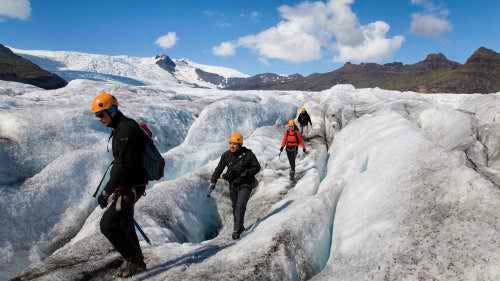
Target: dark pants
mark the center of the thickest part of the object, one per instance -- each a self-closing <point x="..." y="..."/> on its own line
<point x="291" y="153"/>
<point x="239" y="198"/>
<point x="118" y="227"/>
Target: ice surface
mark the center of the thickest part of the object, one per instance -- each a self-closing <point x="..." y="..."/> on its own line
<point x="395" y="186"/>
<point x="222" y="71"/>
<point x="408" y="207"/>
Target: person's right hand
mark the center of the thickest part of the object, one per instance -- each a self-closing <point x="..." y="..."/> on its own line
<point x="211" y="188"/>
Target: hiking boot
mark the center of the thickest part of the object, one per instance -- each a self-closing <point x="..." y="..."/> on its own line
<point x="236" y="235"/>
<point x="123" y="266"/>
<point x="133" y="268"/>
<point x="292" y="174"/>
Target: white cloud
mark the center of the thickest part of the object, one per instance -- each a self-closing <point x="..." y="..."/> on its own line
<point x="375" y="46"/>
<point x="432" y="22"/>
<point x="167" y="41"/>
<point x="224" y="49"/>
<point x="429" y="25"/>
<point x="18" y="9"/>
<point x="309" y="29"/>
<point x="283" y="42"/>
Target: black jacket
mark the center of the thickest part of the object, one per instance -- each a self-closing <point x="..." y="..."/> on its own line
<point x="304" y="118"/>
<point x="128" y="154"/>
<point x="242" y="167"/>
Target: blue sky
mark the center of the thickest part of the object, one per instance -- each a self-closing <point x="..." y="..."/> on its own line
<point x="259" y="36"/>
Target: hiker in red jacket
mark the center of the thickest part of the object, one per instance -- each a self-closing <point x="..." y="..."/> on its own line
<point x="292" y="140"/>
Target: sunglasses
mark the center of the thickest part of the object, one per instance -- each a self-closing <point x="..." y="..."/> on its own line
<point x="99" y="114"/>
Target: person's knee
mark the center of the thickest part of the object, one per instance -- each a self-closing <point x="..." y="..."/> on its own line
<point x="126" y="223"/>
<point x="234" y="204"/>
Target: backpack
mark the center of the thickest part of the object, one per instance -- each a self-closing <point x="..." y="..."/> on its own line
<point x="154" y="164"/>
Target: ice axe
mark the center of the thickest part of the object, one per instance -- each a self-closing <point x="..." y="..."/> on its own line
<point x="142" y="232"/>
<point x="267" y="163"/>
<point x="210" y="189"/>
<point x="102" y="179"/>
<point x="135" y="223"/>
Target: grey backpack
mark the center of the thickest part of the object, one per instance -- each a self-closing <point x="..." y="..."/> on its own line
<point x="154" y="164"/>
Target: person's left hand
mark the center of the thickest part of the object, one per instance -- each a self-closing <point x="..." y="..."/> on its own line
<point x="102" y="199"/>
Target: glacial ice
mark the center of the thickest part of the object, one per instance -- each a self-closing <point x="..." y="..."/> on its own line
<point x="395" y="186"/>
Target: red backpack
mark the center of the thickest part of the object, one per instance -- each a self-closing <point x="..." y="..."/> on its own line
<point x="292" y="138"/>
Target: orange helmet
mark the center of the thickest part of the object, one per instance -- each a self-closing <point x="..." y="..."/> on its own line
<point x="291" y="122"/>
<point x="103" y="101"/>
<point x="236" y="137"/>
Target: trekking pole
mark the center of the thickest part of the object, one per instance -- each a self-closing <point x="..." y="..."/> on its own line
<point x="142" y="232"/>
<point x="102" y="179"/>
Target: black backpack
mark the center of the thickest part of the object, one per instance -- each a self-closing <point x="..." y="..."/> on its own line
<point x="154" y="164"/>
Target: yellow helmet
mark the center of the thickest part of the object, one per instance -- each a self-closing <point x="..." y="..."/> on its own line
<point x="236" y="137"/>
<point x="291" y="122"/>
<point x="103" y="101"/>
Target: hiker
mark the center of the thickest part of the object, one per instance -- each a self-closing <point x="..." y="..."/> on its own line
<point x="126" y="184"/>
<point x="304" y="119"/>
<point x="242" y="166"/>
<point x="292" y="139"/>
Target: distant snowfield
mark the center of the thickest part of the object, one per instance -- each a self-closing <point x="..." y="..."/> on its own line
<point x="395" y="186"/>
<point x="135" y="71"/>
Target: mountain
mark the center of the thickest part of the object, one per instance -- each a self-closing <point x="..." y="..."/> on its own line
<point x="135" y="71"/>
<point x="201" y="75"/>
<point x="17" y="69"/>
<point x="479" y="74"/>
<point x="260" y="81"/>
<point x="435" y="74"/>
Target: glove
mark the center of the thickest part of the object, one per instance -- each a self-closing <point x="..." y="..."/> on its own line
<point x="102" y="199"/>
<point x="304" y="150"/>
<point x="281" y="149"/>
<point x="210" y="189"/>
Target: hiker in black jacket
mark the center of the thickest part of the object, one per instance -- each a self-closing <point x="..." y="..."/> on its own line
<point x="242" y="166"/>
<point x="126" y="183"/>
<point x="304" y="119"/>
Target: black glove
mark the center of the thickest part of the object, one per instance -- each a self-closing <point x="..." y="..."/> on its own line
<point x="102" y="199"/>
<point x="304" y="150"/>
<point x="210" y="189"/>
<point x="281" y="149"/>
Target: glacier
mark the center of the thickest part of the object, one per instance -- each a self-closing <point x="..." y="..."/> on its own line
<point x="394" y="185"/>
<point x="135" y="71"/>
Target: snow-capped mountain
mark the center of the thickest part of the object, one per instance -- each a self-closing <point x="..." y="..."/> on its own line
<point x="136" y="71"/>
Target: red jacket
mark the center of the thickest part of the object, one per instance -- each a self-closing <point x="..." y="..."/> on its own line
<point x="292" y="138"/>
